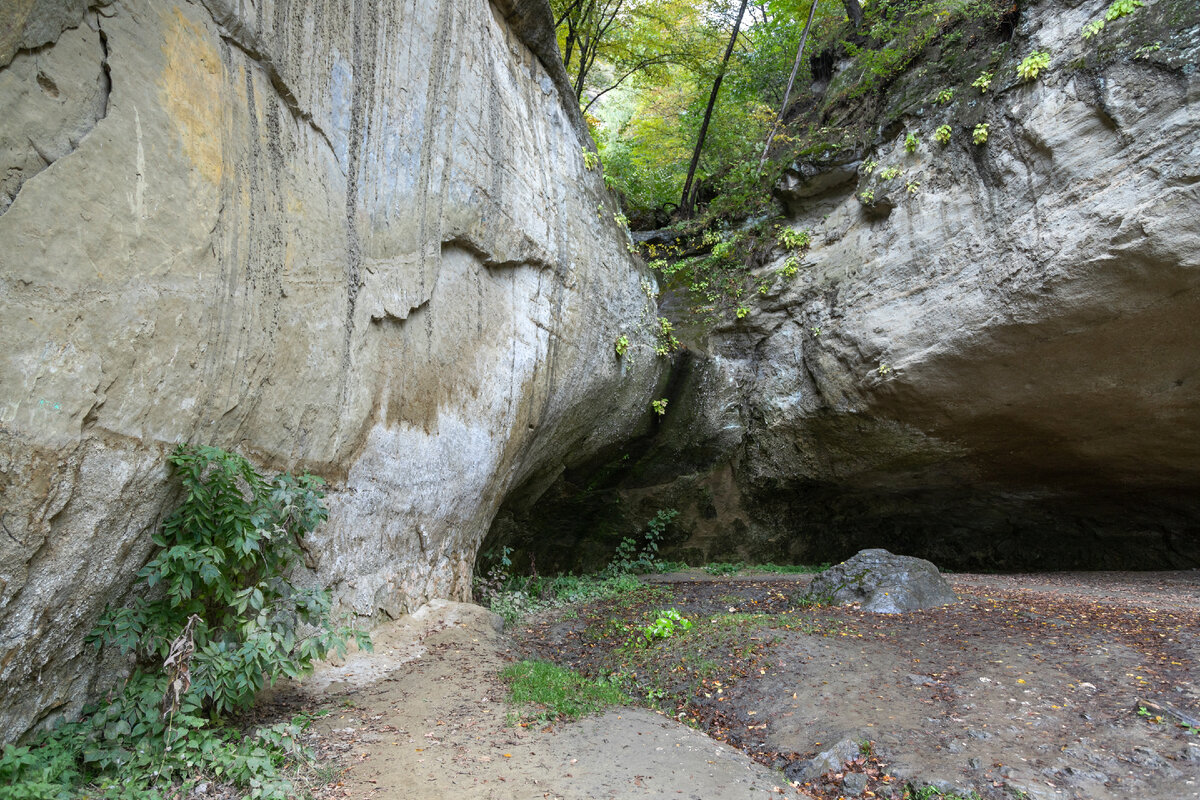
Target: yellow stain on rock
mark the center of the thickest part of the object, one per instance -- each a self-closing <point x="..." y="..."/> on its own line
<point x="191" y="89"/>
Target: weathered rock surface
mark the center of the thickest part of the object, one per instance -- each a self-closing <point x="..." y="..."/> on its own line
<point x="1001" y="372"/>
<point x="884" y="583"/>
<point x="354" y="238"/>
<point x="831" y="760"/>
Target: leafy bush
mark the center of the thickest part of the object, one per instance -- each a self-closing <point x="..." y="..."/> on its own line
<point x="225" y="619"/>
<point x="889" y="173"/>
<point x="945" y="96"/>
<point x="980" y="134"/>
<point x="621" y="345"/>
<point x="983" y="82"/>
<point x="1033" y="65"/>
<point x="942" y="134"/>
<point x="224" y="556"/>
<point x="911" y="142"/>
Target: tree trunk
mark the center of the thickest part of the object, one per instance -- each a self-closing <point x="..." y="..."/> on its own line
<point x="854" y="12"/>
<point x="791" y="80"/>
<point x="685" y="204"/>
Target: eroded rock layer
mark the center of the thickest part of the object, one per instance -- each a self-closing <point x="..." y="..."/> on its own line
<point x="357" y="238"/>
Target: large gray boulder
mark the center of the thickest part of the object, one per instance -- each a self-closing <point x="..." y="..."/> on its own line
<point x="884" y="583"/>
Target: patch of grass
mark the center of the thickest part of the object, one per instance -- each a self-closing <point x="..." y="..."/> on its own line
<point x="723" y="568"/>
<point x="790" y="569"/>
<point x="561" y="693"/>
<point x="531" y="594"/>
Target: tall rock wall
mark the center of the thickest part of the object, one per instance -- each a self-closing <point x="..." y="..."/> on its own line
<point x="992" y="358"/>
<point x="357" y="238"/>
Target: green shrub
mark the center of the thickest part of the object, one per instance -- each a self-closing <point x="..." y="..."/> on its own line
<point x="983" y="82"/>
<point x="225" y="556"/>
<point x="980" y="134"/>
<point x="945" y="96"/>
<point x="942" y="134"/>
<point x="911" y="142"/>
<point x="224" y="619"/>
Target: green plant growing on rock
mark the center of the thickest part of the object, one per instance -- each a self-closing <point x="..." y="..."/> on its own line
<point x="659" y="406"/>
<point x="591" y="159"/>
<point x="983" y="82"/>
<point x="912" y="186"/>
<point x="792" y="239"/>
<point x="791" y="266"/>
<point x="666" y="343"/>
<point x="1145" y="50"/>
<point x="889" y="174"/>
<point x="867" y="197"/>
<point x="1117" y="10"/>
<point x="911" y="142"/>
<point x="869" y="166"/>
<point x="742" y="312"/>
<point x="942" y="135"/>
<point x="945" y="96"/>
<point x="1033" y="65"/>
<point x="621" y="345"/>
<point x="980" y="134"/>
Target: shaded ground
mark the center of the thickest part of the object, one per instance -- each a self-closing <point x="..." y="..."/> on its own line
<point x="1029" y="687"/>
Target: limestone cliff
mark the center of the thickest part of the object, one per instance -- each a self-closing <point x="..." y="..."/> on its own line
<point x="990" y="359"/>
<point x="357" y="238"/>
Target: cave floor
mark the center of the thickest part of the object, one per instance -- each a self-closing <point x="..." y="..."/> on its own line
<point x="1030" y="686"/>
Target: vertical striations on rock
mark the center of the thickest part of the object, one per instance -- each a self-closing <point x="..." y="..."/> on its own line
<point x="354" y="238"/>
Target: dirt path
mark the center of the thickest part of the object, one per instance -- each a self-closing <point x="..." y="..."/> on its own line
<point x="424" y="717"/>
<point x="1028" y="687"/>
